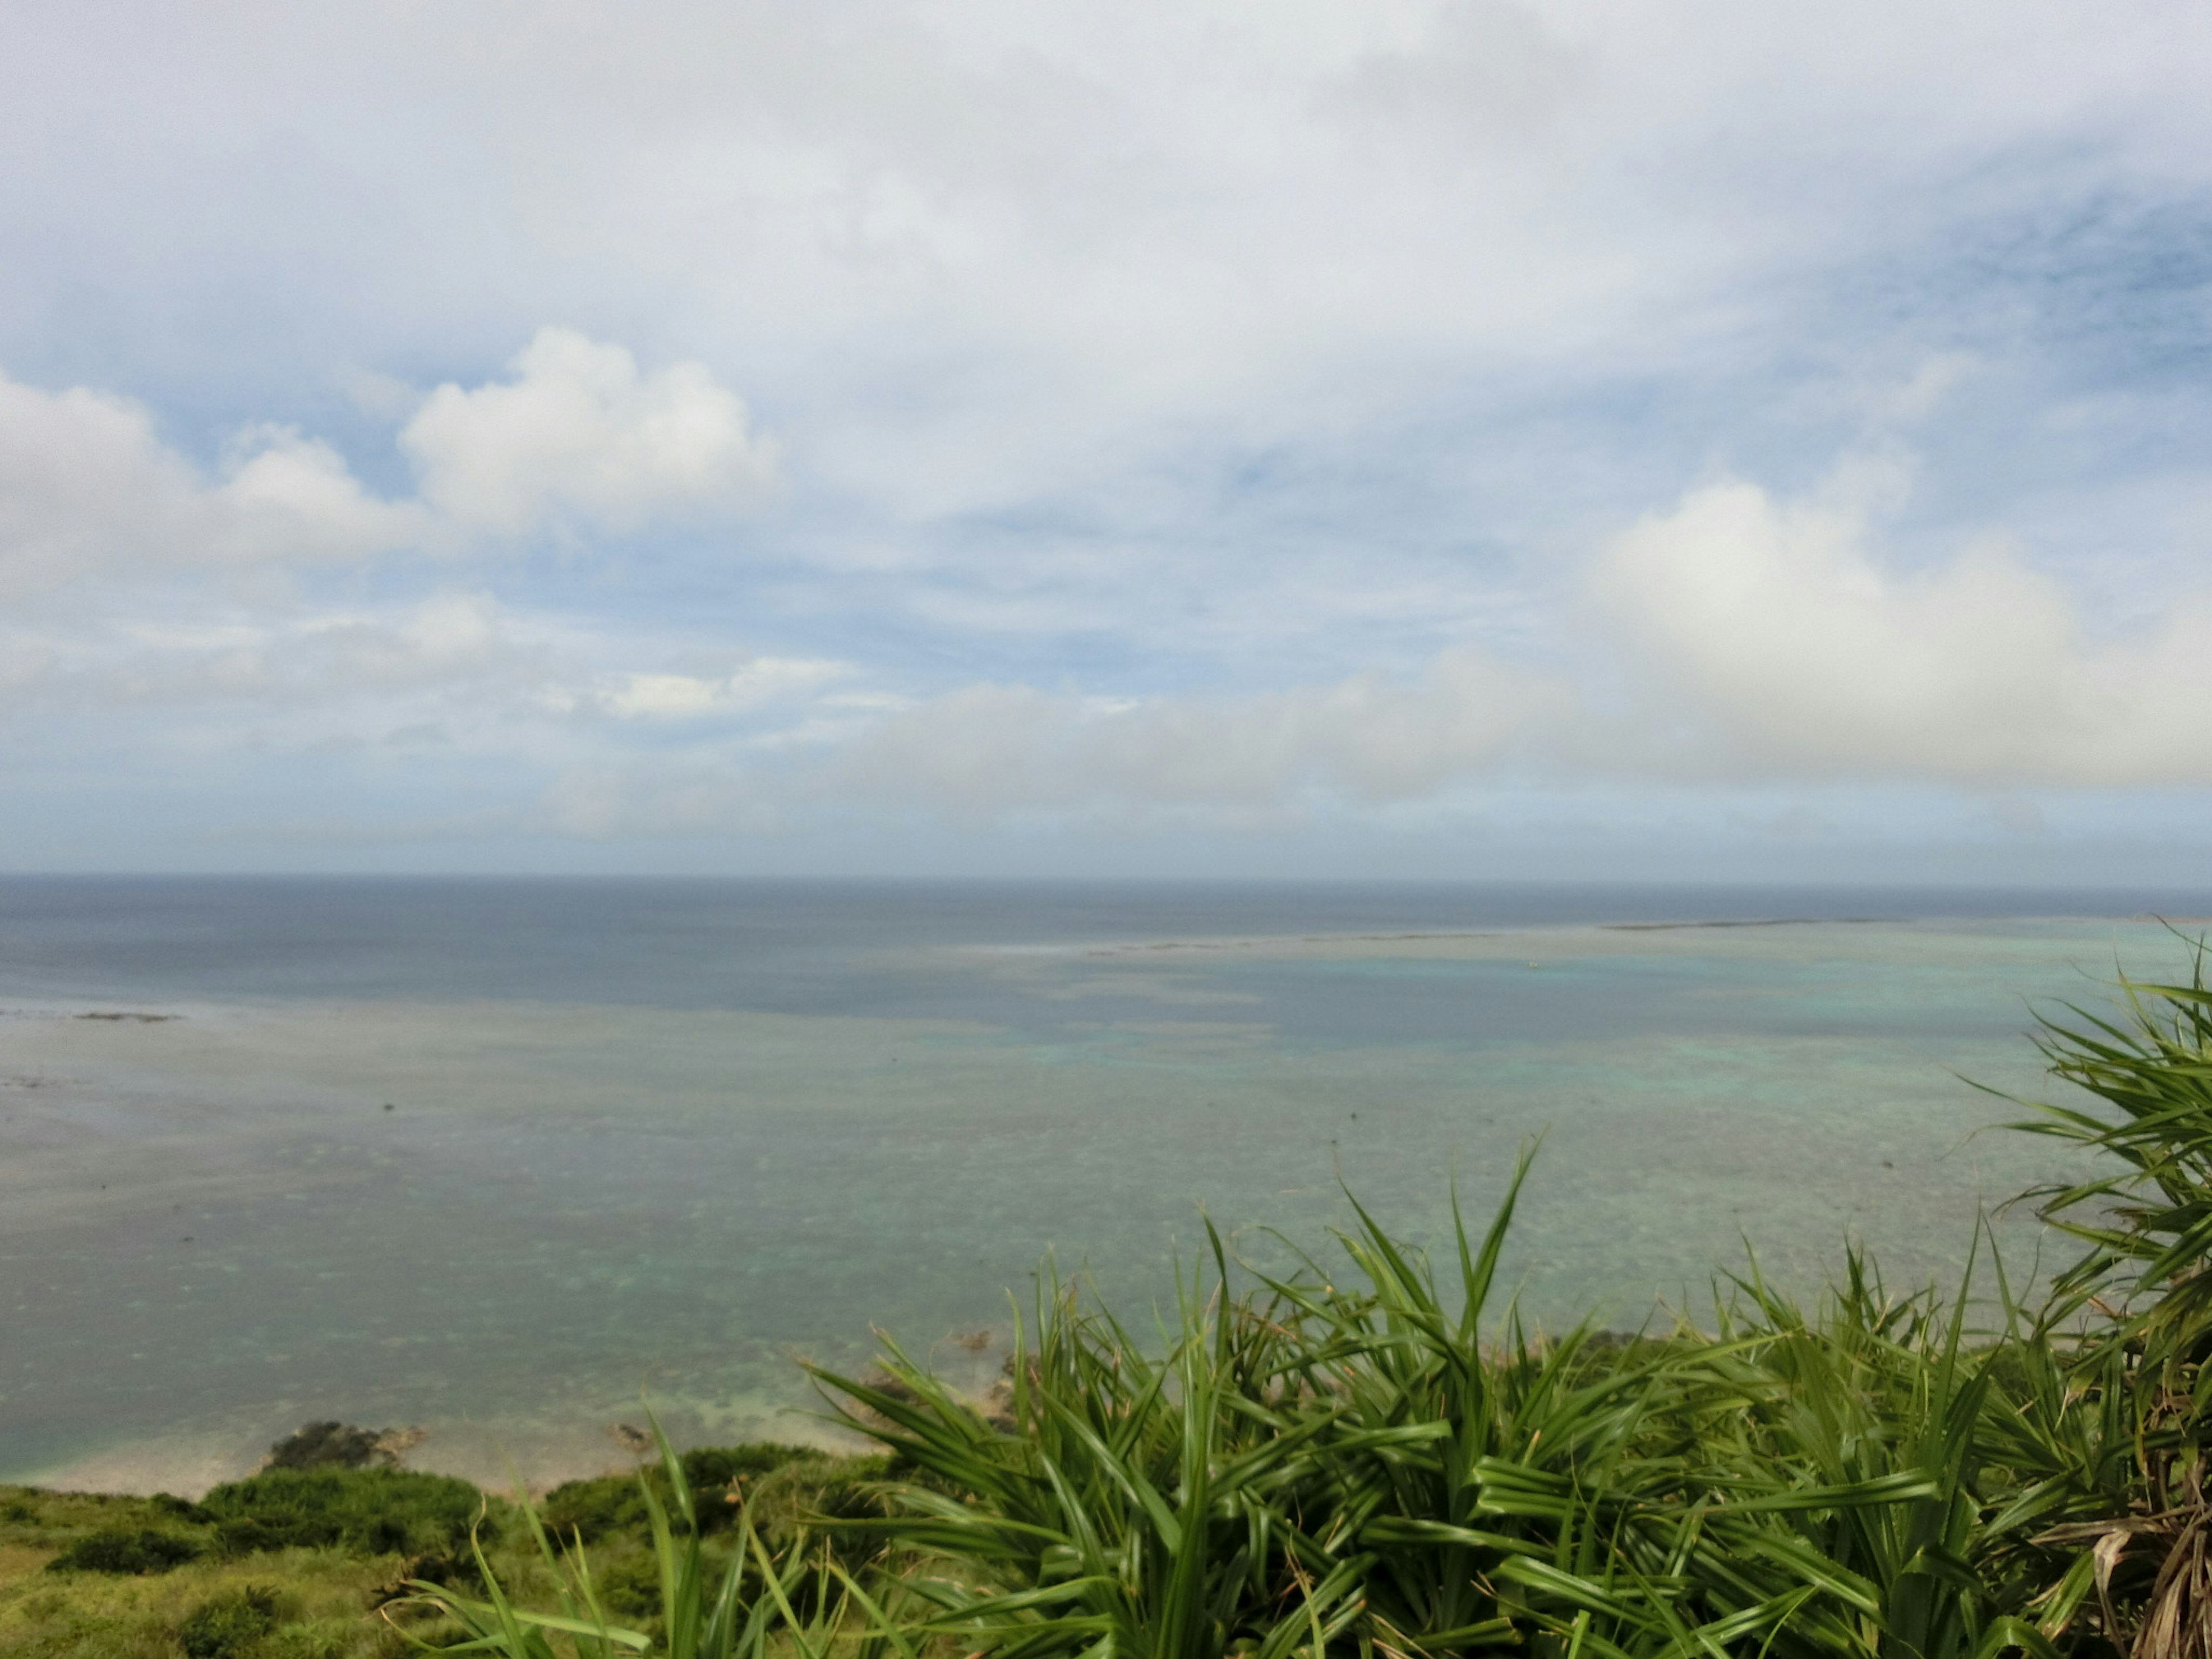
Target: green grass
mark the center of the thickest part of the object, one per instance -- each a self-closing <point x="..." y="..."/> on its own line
<point x="1369" y="1457"/>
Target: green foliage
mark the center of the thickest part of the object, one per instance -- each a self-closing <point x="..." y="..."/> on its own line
<point x="230" y="1625"/>
<point x="377" y="1511"/>
<point x="327" y="1596"/>
<point x="737" y="1602"/>
<point x="329" y="1445"/>
<point x="1353" y="1460"/>
<point x="716" y="1477"/>
<point x="127" y="1550"/>
<point x="2147" y="1216"/>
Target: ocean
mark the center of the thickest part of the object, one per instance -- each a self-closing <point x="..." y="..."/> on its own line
<point x="502" y="1160"/>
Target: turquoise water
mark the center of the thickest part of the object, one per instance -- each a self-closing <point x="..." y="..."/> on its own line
<point x="489" y="1157"/>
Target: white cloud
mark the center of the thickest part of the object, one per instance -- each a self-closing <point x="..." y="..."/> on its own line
<point x="85" y="486"/>
<point x="452" y="674"/>
<point x="80" y="472"/>
<point x="976" y="248"/>
<point x="288" y="496"/>
<point x="690" y="696"/>
<point x="1210" y="344"/>
<point x="579" y="436"/>
<point x="1012" y="752"/>
<point x="1370" y="737"/>
<point x="446" y="637"/>
<point x="579" y="433"/>
<point x="298" y="667"/>
<point x="1781" y="625"/>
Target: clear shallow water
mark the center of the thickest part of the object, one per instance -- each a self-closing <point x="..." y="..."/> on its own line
<point x="687" y="1128"/>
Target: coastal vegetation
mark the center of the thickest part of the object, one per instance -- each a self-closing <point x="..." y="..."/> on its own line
<point x="1373" y="1456"/>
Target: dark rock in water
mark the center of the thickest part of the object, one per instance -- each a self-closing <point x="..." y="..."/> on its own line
<point x="341" y="1446"/>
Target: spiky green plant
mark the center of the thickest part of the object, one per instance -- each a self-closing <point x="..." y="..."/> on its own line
<point x="1317" y="1466"/>
<point x="2146" y="1280"/>
<point x="703" y="1614"/>
<point x="2145" y="1212"/>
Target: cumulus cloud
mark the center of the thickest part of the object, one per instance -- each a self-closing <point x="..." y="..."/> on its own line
<point x="1370" y="737"/>
<point x="577" y="437"/>
<point x="577" y="434"/>
<point x="1783" y="624"/>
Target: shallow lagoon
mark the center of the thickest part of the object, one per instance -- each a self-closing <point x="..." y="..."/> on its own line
<point x="487" y="1158"/>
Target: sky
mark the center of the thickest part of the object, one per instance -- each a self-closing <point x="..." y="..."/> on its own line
<point x="1434" y="438"/>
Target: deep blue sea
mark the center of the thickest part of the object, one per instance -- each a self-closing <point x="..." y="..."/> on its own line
<point x="491" y="1158"/>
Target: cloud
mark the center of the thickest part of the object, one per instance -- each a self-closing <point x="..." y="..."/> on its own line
<point x="1781" y="625"/>
<point x="975" y="250"/>
<point x="578" y="435"/>
<point x="453" y="647"/>
<point x="85" y="486"/>
<point x="1482" y="70"/>
<point x="1013" y="753"/>
<point x="692" y="697"/>
<point x="1370" y="737"/>
<point x="578" y="438"/>
<point x="1278" y="351"/>
<point x="604" y="801"/>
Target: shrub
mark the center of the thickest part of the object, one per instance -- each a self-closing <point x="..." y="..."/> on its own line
<point x="330" y="1445"/>
<point x="127" y="1550"/>
<point x="455" y="1567"/>
<point x="631" y="1586"/>
<point x="364" y="1512"/>
<point x="594" y="1508"/>
<point x="836" y="1499"/>
<point x="613" y="1505"/>
<point x="229" y="1625"/>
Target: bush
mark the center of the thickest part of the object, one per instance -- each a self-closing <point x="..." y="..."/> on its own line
<point x="715" y="1469"/>
<point x="456" y="1568"/>
<point x="330" y="1445"/>
<point x="127" y="1550"/>
<point x="229" y="1625"/>
<point x="631" y="1585"/>
<point x="612" y="1504"/>
<point x="594" y="1508"/>
<point x="364" y="1512"/>
<point x="838" y="1499"/>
